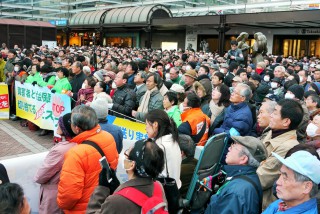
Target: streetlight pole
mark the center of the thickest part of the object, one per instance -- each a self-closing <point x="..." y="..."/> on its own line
<point x="94" y="51"/>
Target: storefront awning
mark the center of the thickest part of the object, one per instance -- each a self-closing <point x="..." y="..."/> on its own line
<point x="136" y="15"/>
<point x="87" y="18"/>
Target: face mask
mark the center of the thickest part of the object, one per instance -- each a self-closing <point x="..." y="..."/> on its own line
<point x="300" y="78"/>
<point x="274" y="85"/>
<point x="259" y="70"/>
<point x="288" y="96"/>
<point x="222" y="71"/>
<point x="181" y="107"/>
<point x="188" y="68"/>
<point x="16" y="69"/>
<point x="114" y="86"/>
<point x="267" y="79"/>
<point x="167" y="67"/>
<point x="83" y="86"/>
<point x="311" y="130"/>
<point x="123" y="164"/>
<point x="56" y="77"/>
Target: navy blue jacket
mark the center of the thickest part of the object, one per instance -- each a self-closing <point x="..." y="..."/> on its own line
<point x="238" y="117"/>
<point x="238" y="196"/>
<point x="115" y="131"/>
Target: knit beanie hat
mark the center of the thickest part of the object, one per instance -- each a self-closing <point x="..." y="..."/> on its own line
<point x="98" y="75"/>
<point x="65" y="125"/>
<point x="100" y="106"/>
<point x="297" y="90"/>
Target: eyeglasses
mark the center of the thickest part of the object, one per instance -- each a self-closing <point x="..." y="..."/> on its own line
<point x="237" y="93"/>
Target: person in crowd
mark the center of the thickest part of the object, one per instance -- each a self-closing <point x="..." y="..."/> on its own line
<point x="314" y="86"/>
<point x="141" y="88"/>
<point x="170" y="105"/>
<point x="316" y="75"/>
<point x="101" y="110"/>
<point x="262" y="89"/>
<point x="217" y="79"/>
<point x="2" y="66"/>
<point x="131" y="70"/>
<point x="190" y="77"/>
<point x="48" y="174"/>
<point x="233" y="68"/>
<point x="81" y="168"/>
<point x="234" y="54"/>
<point x="284" y="121"/>
<point x="188" y="163"/>
<point x="175" y="77"/>
<point x="143" y="164"/>
<point x="100" y="93"/>
<point x="13" y="200"/>
<point x="216" y="108"/>
<point x="85" y="94"/>
<point x="204" y="79"/>
<point x="124" y="99"/>
<point x="238" y="115"/>
<point x="265" y="112"/>
<point x="98" y="75"/>
<point x="297" y="185"/>
<point x="62" y="84"/>
<point x="313" y="132"/>
<point x="152" y="99"/>
<point x="279" y="72"/>
<point x="242" y="192"/>
<point x="296" y="92"/>
<point x="164" y="131"/>
<point x="312" y="103"/>
<point x="34" y="75"/>
<point x="76" y="81"/>
<point x="276" y="88"/>
<point x="48" y="75"/>
<point x="242" y="73"/>
<point x="194" y="122"/>
<point x="201" y="91"/>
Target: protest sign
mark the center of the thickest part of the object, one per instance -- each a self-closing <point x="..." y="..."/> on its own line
<point x="4" y="101"/>
<point x="40" y="106"/>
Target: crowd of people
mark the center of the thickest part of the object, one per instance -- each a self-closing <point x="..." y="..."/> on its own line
<point x="269" y="111"/>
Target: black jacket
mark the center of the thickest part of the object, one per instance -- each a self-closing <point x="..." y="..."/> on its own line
<point x="124" y="101"/>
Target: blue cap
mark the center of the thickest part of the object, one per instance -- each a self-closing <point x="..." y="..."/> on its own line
<point x="304" y="163"/>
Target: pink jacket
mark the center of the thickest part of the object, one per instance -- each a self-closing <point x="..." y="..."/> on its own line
<point x="48" y="176"/>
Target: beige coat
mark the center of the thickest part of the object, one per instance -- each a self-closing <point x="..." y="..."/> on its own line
<point x="268" y="170"/>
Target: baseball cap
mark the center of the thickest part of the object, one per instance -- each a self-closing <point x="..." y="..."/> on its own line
<point x="254" y="145"/>
<point x="304" y="163"/>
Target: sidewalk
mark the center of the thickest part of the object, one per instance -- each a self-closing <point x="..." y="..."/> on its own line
<point x="20" y="141"/>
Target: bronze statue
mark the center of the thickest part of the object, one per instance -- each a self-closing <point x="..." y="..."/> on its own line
<point x="259" y="48"/>
<point x="241" y="39"/>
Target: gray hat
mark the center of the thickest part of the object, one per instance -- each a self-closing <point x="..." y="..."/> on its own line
<point x="254" y="145"/>
<point x="100" y="106"/>
<point x="215" y="67"/>
<point x="99" y="75"/>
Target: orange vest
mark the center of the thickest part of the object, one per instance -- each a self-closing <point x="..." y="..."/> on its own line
<point x="81" y="168"/>
<point x="195" y="117"/>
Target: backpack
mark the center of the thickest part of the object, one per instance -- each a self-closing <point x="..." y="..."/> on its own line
<point x="149" y="205"/>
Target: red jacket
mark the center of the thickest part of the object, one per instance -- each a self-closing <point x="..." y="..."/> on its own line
<point x="195" y="117"/>
<point x="81" y="168"/>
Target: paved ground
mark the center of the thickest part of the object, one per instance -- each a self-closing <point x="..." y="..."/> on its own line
<point x="19" y="141"/>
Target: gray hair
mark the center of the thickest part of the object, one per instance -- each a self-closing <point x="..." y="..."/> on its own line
<point x="186" y="145"/>
<point x="245" y="91"/>
<point x="281" y="68"/>
<point x="302" y="178"/>
<point x="175" y="69"/>
<point x="78" y="64"/>
<point x="84" y="117"/>
<point x="271" y="105"/>
<point x="251" y="160"/>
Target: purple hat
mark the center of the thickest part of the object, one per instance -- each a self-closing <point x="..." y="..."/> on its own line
<point x="65" y="125"/>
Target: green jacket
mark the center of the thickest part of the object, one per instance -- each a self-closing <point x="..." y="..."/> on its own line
<point x="62" y="84"/>
<point x="2" y="75"/>
<point x="36" y="77"/>
<point x="51" y="81"/>
<point x="175" y="114"/>
<point x="178" y="80"/>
